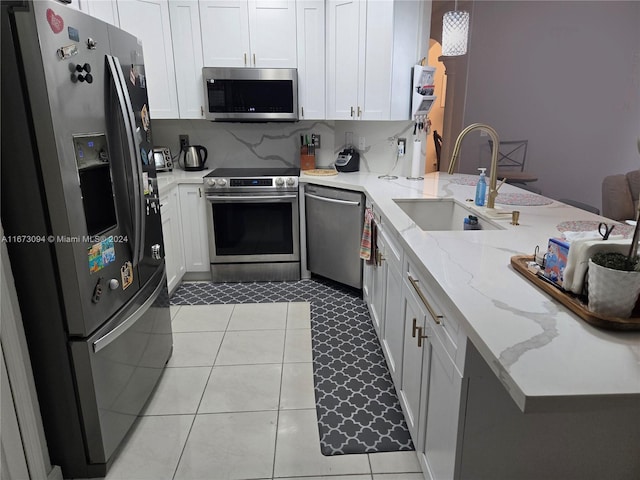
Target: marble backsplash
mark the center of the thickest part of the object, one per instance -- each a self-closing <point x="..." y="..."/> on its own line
<point x="278" y="144"/>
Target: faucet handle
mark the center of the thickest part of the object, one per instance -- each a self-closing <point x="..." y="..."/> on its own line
<point x="501" y="183"/>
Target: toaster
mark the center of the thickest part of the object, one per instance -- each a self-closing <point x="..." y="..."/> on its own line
<point x="162" y="159"/>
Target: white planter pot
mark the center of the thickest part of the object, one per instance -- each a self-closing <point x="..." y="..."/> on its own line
<point x="612" y="292"/>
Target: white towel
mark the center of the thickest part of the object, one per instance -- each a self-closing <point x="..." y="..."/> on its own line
<point x="589" y="235"/>
<point x="580" y="251"/>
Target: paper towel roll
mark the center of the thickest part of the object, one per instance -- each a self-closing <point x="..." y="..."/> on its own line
<point x="416" y="159"/>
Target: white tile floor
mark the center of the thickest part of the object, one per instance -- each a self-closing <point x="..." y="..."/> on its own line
<point x="236" y="402"/>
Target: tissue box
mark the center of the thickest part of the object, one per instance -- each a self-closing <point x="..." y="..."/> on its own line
<point x="556" y="260"/>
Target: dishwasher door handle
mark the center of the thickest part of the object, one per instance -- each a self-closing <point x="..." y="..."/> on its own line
<point x="332" y="200"/>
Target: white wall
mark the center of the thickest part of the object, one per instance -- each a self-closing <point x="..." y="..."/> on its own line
<point x="565" y="76"/>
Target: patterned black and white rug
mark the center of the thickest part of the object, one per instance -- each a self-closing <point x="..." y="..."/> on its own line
<point x="356" y="402"/>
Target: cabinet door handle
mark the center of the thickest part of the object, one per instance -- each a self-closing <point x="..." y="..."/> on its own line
<point x="254" y="59"/>
<point x="245" y="59"/>
<point x="415" y="328"/>
<point x="302" y="109"/>
<point x="379" y="259"/>
<point x="351" y="112"/>
<point x="199" y="192"/>
<point x="359" y="112"/>
<point x="201" y="111"/>
<point x="421" y="337"/>
<point x="436" y="318"/>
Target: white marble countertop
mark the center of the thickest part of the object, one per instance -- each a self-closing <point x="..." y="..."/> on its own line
<point x="547" y="357"/>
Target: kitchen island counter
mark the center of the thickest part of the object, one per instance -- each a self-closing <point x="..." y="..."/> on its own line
<point x="546" y="357"/>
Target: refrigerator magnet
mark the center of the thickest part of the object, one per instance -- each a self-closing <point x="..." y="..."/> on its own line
<point x="95" y="258"/>
<point x="56" y="22"/>
<point x="108" y="251"/>
<point x="126" y="275"/>
<point x="145" y="183"/>
<point x="144" y="116"/>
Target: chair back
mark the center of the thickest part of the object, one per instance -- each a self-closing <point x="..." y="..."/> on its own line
<point x="437" y="140"/>
<point x="512" y="154"/>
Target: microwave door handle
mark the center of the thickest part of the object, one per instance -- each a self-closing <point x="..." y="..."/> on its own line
<point x="126" y="110"/>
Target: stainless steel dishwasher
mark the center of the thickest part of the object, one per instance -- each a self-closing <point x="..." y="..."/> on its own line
<point x="334" y="220"/>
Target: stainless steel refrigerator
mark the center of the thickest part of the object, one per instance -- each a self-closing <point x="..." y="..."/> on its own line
<point x="81" y="217"/>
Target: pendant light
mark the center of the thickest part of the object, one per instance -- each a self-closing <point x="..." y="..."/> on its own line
<point x="455" y="32"/>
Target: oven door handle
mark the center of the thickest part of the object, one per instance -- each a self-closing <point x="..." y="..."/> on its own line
<point x="332" y="200"/>
<point x="264" y="199"/>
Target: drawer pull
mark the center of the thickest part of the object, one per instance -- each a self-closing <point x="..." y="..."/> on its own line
<point x="434" y="315"/>
<point x="421" y="337"/>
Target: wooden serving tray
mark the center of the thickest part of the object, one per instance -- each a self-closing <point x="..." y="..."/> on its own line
<point x="574" y="302"/>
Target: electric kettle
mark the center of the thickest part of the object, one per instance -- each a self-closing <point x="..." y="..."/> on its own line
<point x="194" y="157"/>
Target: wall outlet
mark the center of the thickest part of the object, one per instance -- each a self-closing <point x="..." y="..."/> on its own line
<point x="361" y="143"/>
<point x="184" y="141"/>
<point x="402" y="147"/>
<point x="315" y="140"/>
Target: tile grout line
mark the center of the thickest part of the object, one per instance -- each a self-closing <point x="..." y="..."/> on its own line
<point x="284" y="347"/>
<point x="195" y="416"/>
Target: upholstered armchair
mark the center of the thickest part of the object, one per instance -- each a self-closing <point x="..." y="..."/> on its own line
<point x="620" y="196"/>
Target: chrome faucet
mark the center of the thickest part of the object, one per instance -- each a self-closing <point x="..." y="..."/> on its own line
<point x="493" y="171"/>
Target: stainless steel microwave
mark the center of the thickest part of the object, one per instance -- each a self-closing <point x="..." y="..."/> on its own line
<point x="251" y="94"/>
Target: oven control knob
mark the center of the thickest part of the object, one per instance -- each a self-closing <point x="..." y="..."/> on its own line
<point x="279" y="182"/>
<point x="221" y="181"/>
<point x="211" y="182"/>
<point x="290" y="181"/>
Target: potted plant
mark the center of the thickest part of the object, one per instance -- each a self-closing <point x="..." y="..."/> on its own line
<point x="614" y="283"/>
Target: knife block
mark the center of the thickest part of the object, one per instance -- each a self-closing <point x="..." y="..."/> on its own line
<point x="307" y="160"/>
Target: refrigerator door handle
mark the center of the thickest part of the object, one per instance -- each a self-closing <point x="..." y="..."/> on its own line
<point x="124" y="103"/>
<point x="107" y="338"/>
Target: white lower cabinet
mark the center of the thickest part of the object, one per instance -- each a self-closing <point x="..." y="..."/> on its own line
<point x="193" y="212"/>
<point x="424" y="346"/>
<point x="172" y="236"/>
<point x="393" y="332"/>
<point x="438" y="439"/>
<point x="415" y="358"/>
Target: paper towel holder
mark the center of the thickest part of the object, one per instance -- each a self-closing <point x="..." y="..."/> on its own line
<point x="415" y="167"/>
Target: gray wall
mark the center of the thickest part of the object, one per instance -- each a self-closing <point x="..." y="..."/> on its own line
<point x="565" y="76"/>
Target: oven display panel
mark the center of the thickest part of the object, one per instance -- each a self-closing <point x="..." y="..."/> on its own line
<point x="251" y="182"/>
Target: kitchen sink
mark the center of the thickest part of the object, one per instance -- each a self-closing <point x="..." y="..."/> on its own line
<point x="441" y="214"/>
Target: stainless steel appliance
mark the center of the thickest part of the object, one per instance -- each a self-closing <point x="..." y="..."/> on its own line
<point x="82" y="223"/>
<point x="251" y="94"/>
<point x="334" y="220"/>
<point x="194" y="157"/>
<point x="254" y="230"/>
<point x="162" y="159"/>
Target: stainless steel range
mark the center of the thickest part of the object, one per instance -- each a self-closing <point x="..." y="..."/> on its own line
<point x="254" y="228"/>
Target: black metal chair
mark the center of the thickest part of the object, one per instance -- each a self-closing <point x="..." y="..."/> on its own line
<point x="437" y="139"/>
<point x="512" y="155"/>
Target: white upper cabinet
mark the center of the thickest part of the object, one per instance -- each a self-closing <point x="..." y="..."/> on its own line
<point x="311" y="59"/>
<point x="149" y="21"/>
<point x="187" y="54"/>
<point x="371" y="47"/>
<point x="359" y="59"/>
<point x="272" y="33"/>
<point x="345" y="19"/>
<point x="253" y="33"/>
<point x="105" y="10"/>
<point x="374" y="74"/>
<point x="225" y="33"/>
